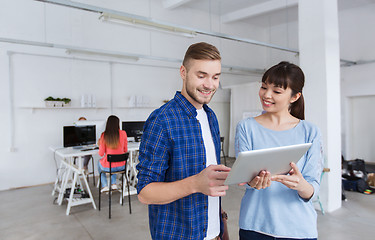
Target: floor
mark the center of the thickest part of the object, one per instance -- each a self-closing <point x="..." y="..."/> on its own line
<point x="30" y="213"/>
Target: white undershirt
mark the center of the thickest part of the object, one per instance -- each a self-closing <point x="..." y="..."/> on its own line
<point x="213" y="228"/>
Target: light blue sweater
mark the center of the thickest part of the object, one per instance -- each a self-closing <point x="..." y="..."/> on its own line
<point x="278" y="210"/>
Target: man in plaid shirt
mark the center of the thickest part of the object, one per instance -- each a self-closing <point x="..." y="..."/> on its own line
<point x="179" y="176"/>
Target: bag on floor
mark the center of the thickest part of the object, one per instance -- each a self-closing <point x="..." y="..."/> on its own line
<point x="358" y="185"/>
<point x="354" y="175"/>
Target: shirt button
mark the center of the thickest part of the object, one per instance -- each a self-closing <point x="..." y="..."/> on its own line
<point x="205" y="207"/>
<point x="204" y="230"/>
<point x="204" y="163"/>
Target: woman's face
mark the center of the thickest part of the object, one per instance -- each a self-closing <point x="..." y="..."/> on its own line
<point x="276" y="99"/>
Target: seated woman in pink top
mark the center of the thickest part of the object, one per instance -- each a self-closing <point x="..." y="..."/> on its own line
<point x="112" y="141"/>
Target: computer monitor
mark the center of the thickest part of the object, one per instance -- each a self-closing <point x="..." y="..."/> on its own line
<point x="79" y="135"/>
<point x="133" y="129"/>
<point x="99" y="124"/>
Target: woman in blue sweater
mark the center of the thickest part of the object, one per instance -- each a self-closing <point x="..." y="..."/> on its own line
<point x="283" y="209"/>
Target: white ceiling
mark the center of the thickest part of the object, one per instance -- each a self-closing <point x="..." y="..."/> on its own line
<point x="256" y="12"/>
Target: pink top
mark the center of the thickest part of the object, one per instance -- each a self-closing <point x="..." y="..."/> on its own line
<point x="122" y="148"/>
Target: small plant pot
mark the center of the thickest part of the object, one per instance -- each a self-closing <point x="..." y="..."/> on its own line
<point x="50" y="103"/>
<point x="66" y="104"/>
<point x="58" y="103"/>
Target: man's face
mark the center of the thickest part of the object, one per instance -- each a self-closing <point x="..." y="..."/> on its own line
<point x="200" y="81"/>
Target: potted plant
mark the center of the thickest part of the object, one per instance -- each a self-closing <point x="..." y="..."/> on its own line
<point x="50" y="101"/>
<point x="57" y="102"/>
<point x="66" y="102"/>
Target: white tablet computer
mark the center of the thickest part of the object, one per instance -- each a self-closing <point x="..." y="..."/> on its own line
<point x="275" y="160"/>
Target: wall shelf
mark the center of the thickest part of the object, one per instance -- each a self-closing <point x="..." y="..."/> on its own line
<point x="64" y="108"/>
<point x="33" y="109"/>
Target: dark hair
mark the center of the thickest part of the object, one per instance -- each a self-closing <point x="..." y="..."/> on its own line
<point x="286" y="75"/>
<point x="111" y="134"/>
<point x="201" y="51"/>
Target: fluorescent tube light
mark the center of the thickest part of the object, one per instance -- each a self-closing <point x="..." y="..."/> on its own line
<point x="146" y="24"/>
<point x="100" y="54"/>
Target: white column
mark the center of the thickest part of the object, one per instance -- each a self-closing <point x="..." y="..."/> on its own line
<point x="320" y="61"/>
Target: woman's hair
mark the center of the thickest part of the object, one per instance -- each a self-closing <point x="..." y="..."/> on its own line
<point x="111" y="133"/>
<point x="201" y="51"/>
<point x="286" y="75"/>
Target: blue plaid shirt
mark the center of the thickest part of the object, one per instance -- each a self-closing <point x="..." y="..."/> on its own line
<point x="172" y="149"/>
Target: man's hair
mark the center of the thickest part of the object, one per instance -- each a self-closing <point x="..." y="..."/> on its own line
<point x="201" y="51"/>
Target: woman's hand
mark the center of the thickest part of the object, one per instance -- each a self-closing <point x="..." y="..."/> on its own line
<point x="295" y="181"/>
<point x="263" y="180"/>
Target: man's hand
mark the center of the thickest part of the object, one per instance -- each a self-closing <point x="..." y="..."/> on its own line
<point x="210" y="181"/>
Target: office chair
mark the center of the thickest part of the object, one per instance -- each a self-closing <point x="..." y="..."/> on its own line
<point x="115" y="158"/>
<point x="222" y="150"/>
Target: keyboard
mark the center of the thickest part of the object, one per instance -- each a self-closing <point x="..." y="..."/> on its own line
<point x="89" y="149"/>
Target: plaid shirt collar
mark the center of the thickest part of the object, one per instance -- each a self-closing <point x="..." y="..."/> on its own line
<point x="187" y="106"/>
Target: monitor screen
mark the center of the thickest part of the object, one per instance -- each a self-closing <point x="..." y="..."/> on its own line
<point x="99" y="124"/>
<point x="133" y="129"/>
<point x="79" y="135"/>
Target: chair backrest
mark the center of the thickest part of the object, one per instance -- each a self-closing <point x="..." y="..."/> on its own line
<point x="117" y="157"/>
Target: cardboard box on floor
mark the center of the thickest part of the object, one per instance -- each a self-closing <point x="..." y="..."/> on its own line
<point x="371" y="179"/>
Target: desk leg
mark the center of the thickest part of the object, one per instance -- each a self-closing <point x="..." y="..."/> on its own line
<point x="64" y="183"/>
<point x="72" y="193"/>
<point x="59" y="177"/>
<point x="89" y="191"/>
<point x="131" y="174"/>
<point x="133" y="171"/>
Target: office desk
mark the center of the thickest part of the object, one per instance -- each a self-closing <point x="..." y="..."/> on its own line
<point x="67" y="168"/>
<point x="133" y="148"/>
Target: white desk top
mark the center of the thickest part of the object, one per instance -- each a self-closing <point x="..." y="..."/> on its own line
<point x="74" y="152"/>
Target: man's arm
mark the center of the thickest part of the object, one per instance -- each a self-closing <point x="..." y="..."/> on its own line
<point x="210" y="182"/>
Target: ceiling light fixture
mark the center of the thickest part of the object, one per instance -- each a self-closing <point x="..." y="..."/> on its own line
<point x="101" y="54"/>
<point x="146" y="24"/>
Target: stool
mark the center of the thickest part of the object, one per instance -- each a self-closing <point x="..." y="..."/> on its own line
<point x="325" y="170"/>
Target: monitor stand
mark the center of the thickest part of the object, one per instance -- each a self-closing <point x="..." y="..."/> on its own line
<point x="77" y="147"/>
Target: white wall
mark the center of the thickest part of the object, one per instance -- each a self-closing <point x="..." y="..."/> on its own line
<point x="244" y="100"/>
<point x="31" y="73"/>
<point x="356" y="43"/>
<point x="362" y="133"/>
<point x="357" y="81"/>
